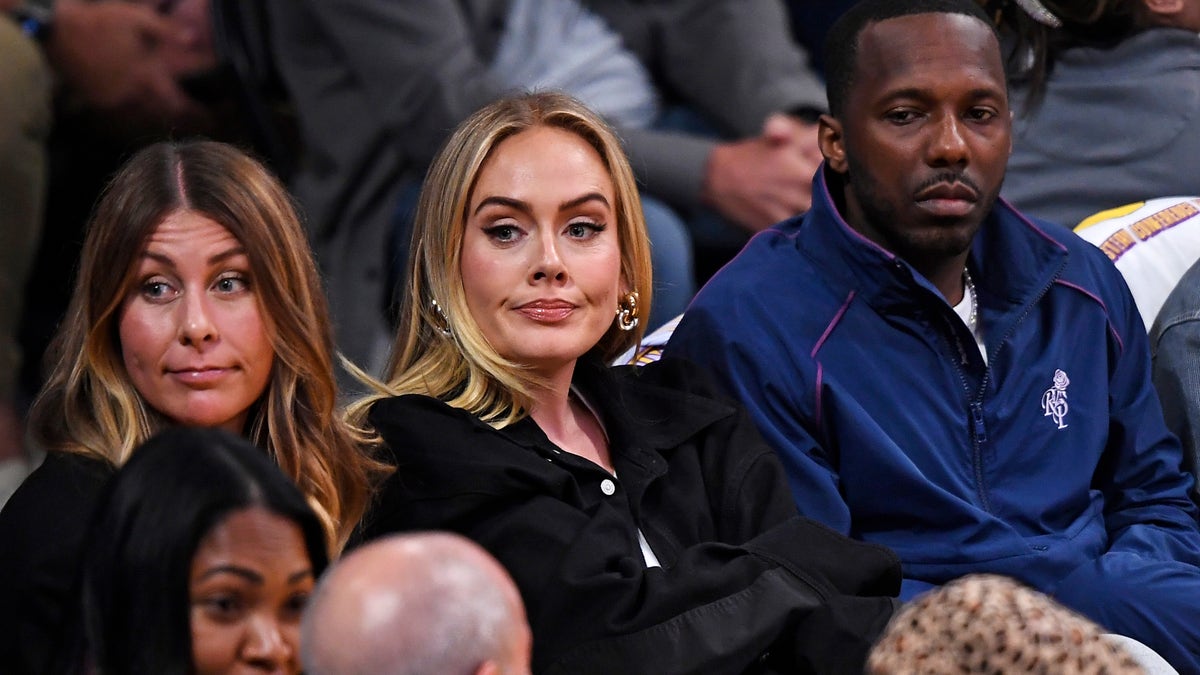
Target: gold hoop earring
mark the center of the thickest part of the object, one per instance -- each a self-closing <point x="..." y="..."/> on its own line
<point x="627" y="311"/>
<point x="444" y="329"/>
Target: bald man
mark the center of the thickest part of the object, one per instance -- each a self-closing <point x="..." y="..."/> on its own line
<point x="415" y="604"/>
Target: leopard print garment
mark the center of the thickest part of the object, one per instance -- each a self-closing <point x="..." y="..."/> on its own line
<point x="991" y="624"/>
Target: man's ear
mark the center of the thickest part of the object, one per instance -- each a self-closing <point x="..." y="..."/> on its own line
<point x="831" y="141"/>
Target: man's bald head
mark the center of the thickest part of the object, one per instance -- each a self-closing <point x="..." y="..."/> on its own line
<point x="414" y="604"/>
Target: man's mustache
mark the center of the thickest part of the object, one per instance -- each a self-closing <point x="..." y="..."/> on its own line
<point x="949" y="178"/>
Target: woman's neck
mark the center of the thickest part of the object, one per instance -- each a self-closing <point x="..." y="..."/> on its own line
<point x="570" y="425"/>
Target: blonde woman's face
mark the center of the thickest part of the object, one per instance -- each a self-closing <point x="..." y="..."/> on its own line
<point x="192" y="336"/>
<point x="541" y="260"/>
<point x="250" y="580"/>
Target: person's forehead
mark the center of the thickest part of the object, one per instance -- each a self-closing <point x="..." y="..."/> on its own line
<point x="907" y="50"/>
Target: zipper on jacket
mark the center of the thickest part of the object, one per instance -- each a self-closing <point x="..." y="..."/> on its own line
<point x="978" y="427"/>
<point x="954" y="327"/>
<point x="979" y="438"/>
<point x="977" y="423"/>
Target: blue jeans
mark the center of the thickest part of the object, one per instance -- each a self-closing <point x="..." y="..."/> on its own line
<point x="1175" y="352"/>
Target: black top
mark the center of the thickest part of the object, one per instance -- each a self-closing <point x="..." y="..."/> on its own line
<point x="43" y="528"/>
<point x="745" y="583"/>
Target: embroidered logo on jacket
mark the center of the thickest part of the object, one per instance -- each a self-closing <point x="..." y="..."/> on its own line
<point x="1054" y="401"/>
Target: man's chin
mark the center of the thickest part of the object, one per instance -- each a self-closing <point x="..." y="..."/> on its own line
<point x="938" y="245"/>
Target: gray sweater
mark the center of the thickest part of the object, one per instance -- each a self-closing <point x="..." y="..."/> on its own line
<point x="1117" y="126"/>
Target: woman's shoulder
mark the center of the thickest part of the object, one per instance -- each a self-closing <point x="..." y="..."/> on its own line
<point x="666" y="404"/>
<point x="416" y="416"/>
<point x="63" y="488"/>
<point x="44" y="523"/>
<point x="675" y="380"/>
<point x="450" y="465"/>
<point x="405" y="404"/>
<point x="43" y="528"/>
<point x="420" y="431"/>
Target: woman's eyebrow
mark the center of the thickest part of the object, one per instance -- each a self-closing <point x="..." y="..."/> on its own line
<point x="503" y="201"/>
<point x="583" y="199"/>
<point x="247" y="574"/>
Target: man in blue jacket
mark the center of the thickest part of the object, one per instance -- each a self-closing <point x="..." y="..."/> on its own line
<point x="941" y="374"/>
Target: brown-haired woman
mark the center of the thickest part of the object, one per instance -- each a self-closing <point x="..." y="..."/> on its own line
<point x="197" y="303"/>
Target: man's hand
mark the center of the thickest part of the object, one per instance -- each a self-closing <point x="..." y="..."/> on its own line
<point x="760" y="181"/>
<point x="122" y="57"/>
<point x="802" y="136"/>
<point x="194" y="18"/>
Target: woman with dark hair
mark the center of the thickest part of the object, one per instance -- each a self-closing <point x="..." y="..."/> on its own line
<point x="197" y="303"/>
<point x="200" y="558"/>
<point x="1105" y="94"/>
<point x="647" y="525"/>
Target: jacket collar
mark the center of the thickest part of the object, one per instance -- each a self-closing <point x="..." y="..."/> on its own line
<point x="641" y="417"/>
<point x="1013" y="260"/>
<point x="649" y="414"/>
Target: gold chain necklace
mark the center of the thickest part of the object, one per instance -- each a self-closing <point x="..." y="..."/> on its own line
<point x="969" y="287"/>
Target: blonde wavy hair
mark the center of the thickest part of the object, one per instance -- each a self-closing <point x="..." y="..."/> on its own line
<point x="89" y="405"/>
<point x="463" y="369"/>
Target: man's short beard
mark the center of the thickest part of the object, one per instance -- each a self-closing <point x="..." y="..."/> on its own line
<point x="920" y="252"/>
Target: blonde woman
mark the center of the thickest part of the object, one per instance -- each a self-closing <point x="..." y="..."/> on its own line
<point x="647" y="525"/>
<point x="197" y="303"/>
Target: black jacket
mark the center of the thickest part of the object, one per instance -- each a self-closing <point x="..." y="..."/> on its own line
<point x="745" y="583"/>
<point x="42" y="531"/>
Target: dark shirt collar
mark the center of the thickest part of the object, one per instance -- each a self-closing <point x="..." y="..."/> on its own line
<point x="638" y="418"/>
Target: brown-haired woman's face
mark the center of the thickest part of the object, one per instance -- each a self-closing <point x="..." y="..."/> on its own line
<point x="192" y="336"/>
<point x="250" y="579"/>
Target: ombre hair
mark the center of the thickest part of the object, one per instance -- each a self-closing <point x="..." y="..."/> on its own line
<point x="462" y="368"/>
<point x="89" y="404"/>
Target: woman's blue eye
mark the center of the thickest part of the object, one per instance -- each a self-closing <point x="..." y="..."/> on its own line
<point x="583" y="229"/>
<point x="502" y="233"/>
<point x="156" y="290"/>
<point x="232" y="284"/>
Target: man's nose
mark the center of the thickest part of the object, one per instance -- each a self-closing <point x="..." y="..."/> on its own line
<point x="948" y="147"/>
